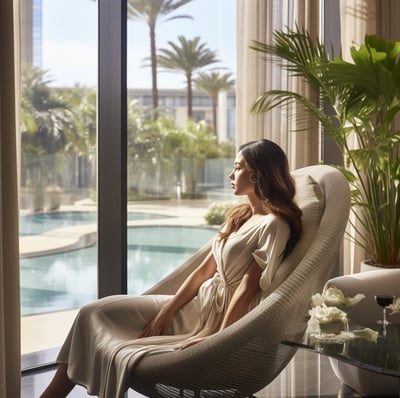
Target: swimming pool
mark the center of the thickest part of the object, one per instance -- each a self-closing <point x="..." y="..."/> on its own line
<point x="39" y="223"/>
<point x="69" y="280"/>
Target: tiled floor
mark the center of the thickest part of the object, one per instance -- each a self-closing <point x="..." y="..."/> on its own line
<point x="308" y="375"/>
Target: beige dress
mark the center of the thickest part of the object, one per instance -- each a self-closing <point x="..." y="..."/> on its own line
<point x="103" y="346"/>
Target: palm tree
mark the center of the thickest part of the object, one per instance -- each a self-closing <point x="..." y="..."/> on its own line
<point x="46" y="120"/>
<point x="151" y="11"/>
<point x="45" y="115"/>
<point x="82" y="136"/>
<point x="187" y="57"/>
<point x="212" y="84"/>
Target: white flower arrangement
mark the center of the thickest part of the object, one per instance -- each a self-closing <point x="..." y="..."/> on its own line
<point x="328" y="320"/>
<point x="365" y="333"/>
<point x="329" y="310"/>
<point x="395" y="307"/>
<point x="334" y="297"/>
<point x="326" y="314"/>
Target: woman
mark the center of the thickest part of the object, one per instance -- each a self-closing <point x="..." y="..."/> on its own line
<point x="110" y="335"/>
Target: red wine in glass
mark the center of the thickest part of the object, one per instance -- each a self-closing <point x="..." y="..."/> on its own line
<point x="383" y="300"/>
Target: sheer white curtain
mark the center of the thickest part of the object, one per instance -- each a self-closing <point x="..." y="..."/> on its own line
<point x="387" y="19"/>
<point x="257" y="20"/>
<point x="10" y="356"/>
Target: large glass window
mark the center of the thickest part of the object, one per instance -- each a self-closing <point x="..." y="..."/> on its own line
<point x="179" y="149"/>
<point x="179" y="155"/>
<point x="58" y="217"/>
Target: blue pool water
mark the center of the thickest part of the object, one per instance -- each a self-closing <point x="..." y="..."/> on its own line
<point x="40" y="223"/>
<point x="69" y="280"/>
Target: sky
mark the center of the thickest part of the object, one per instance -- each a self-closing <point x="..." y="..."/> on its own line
<point x="69" y="49"/>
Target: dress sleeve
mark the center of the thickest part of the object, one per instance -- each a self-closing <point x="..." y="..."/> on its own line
<point x="273" y="237"/>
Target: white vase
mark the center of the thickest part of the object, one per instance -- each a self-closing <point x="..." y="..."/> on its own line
<point x="368" y="265"/>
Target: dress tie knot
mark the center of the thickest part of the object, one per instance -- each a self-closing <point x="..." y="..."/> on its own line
<point x="222" y="293"/>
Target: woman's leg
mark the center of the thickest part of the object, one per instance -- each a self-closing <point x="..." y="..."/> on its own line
<point x="60" y="386"/>
<point x="123" y="318"/>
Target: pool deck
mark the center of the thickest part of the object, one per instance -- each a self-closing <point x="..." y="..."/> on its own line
<point x="183" y="213"/>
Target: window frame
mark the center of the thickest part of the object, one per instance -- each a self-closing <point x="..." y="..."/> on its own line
<point x="112" y="148"/>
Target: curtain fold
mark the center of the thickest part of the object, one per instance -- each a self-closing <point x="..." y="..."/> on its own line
<point x="10" y="354"/>
<point x="387" y="16"/>
<point x="257" y="20"/>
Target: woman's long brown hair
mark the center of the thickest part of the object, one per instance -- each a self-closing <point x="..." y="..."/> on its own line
<point x="274" y="185"/>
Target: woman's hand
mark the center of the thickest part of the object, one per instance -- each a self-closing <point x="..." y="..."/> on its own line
<point x="161" y="323"/>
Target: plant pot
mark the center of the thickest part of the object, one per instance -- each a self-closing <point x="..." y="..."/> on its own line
<point x="369" y="265"/>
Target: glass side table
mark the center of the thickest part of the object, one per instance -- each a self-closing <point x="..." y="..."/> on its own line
<point x="359" y="362"/>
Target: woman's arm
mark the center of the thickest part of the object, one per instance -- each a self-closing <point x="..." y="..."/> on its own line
<point x="243" y="296"/>
<point x="239" y="305"/>
<point x="162" y="321"/>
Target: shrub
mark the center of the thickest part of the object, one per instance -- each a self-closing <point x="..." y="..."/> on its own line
<point x="216" y="213"/>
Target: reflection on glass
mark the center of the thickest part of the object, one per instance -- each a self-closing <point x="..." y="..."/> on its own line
<point x="57" y="157"/>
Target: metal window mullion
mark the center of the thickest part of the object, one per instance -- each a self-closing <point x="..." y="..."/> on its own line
<point x="111" y="148"/>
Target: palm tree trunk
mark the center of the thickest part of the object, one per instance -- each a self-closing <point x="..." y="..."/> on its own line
<point x="214" y="113"/>
<point x="189" y="96"/>
<point x="154" y="70"/>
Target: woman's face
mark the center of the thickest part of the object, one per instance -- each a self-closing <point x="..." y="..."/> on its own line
<point x="240" y="177"/>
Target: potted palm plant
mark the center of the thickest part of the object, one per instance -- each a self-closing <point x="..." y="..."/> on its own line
<point x="358" y="102"/>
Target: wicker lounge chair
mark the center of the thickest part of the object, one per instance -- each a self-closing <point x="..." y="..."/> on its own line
<point x="247" y="356"/>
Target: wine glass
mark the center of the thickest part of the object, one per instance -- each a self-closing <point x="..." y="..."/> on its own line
<point x="383" y="300"/>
